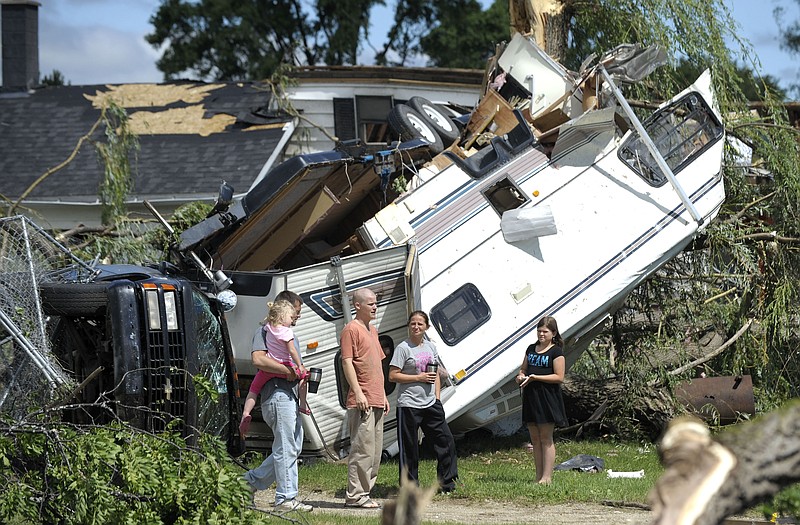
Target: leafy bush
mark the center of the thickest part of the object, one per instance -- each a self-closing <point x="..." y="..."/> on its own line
<point x="58" y="473"/>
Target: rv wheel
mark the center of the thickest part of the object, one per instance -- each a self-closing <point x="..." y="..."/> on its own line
<point x="411" y="125"/>
<point x="437" y="117"/>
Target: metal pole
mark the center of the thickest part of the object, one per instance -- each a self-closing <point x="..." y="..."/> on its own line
<point x="53" y="376"/>
<point x="336" y="262"/>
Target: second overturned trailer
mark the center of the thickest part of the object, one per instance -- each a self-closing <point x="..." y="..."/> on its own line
<point x="570" y="203"/>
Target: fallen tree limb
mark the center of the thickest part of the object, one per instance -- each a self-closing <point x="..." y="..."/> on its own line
<point x="706" y="480"/>
<point x="710" y="355"/>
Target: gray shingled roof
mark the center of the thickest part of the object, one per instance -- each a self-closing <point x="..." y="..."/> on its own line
<point x="39" y="130"/>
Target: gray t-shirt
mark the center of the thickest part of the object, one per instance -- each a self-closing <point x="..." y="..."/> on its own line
<point x="413" y="360"/>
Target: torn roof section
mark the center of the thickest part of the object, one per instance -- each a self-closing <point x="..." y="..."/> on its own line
<point x="192" y="136"/>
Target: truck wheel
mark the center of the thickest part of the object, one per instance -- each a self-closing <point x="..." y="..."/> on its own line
<point x="437" y="117"/>
<point x="74" y="299"/>
<point x="410" y="125"/>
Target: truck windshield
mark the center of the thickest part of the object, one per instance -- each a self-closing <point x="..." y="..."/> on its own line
<point x="212" y="414"/>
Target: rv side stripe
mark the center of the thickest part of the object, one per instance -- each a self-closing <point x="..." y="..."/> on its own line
<point x="578" y="289"/>
<point x="326" y="302"/>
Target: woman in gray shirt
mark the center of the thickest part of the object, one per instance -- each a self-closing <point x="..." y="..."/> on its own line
<point x="418" y="404"/>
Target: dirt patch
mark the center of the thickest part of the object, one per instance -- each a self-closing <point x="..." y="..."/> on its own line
<point x="444" y="509"/>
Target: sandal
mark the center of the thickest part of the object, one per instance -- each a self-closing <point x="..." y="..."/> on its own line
<point x="306" y="411"/>
<point x="364" y="503"/>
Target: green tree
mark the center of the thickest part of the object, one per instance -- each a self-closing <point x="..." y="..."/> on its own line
<point x="444" y="33"/>
<point x="56" y="78"/>
<point x="464" y="35"/>
<point x="240" y="40"/>
<point x="58" y="473"/>
<point x="790" y="37"/>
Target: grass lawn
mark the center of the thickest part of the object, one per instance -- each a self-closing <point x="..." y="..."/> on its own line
<point x="502" y="470"/>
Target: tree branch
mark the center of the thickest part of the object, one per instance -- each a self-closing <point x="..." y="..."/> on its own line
<point x="738" y="216"/>
<point x="768" y="236"/>
<point x="708" y="356"/>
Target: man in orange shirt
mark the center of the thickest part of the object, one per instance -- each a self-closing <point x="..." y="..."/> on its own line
<point x="366" y="400"/>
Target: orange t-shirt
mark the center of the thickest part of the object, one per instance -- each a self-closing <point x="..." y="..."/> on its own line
<point x="365" y="350"/>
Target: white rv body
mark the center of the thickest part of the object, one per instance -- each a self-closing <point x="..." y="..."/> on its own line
<point x="613" y="230"/>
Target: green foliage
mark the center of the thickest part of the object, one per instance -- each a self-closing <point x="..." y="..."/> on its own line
<point x="785" y="503"/>
<point x="188" y="215"/>
<point x="136" y="241"/>
<point x="343" y="23"/>
<point x="464" y="35"/>
<point x="56" y="78"/>
<point x="115" y="156"/>
<point x="54" y="473"/>
<point x="243" y="40"/>
<point x="450" y="33"/>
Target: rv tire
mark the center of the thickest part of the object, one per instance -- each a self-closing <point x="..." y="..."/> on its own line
<point x="438" y="117"/>
<point x="411" y="125"/>
<point x="74" y="299"/>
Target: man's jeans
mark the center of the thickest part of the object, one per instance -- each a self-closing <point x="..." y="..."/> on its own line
<point x="281" y="414"/>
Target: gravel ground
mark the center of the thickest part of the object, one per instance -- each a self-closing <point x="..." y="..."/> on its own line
<point x="445" y="509"/>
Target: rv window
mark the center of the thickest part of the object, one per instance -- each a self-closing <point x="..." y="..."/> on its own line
<point x="681" y="132"/>
<point x="460" y="314"/>
<point x="504" y="195"/>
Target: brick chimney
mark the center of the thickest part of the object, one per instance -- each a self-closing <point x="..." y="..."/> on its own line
<point x="20" y="44"/>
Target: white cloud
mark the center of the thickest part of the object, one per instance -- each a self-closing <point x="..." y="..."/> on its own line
<point x="98" y="55"/>
<point x="97" y="43"/>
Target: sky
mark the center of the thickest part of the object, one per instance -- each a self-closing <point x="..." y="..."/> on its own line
<point x="102" y="41"/>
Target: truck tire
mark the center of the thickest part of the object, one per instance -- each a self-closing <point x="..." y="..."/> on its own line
<point x="74" y="299"/>
<point x="411" y="125"/>
<point x="437" y="117"/>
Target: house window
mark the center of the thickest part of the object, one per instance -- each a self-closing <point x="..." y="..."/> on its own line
<point x="504" y="195"/>
<point x="371" y="113"/>
<point x="680" y="131"/>
<point x="460" y="314"/>
<point x="365" y="118"/>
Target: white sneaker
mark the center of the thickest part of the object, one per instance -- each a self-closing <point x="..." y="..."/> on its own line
<point x="293" y="504"/>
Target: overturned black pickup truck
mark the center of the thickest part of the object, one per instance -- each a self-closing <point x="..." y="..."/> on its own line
<point x="119" y="341"/>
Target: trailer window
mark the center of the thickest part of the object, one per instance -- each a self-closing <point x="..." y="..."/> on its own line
<point x="504" y="195"/>
<point x="680" y="131"/>
<point x="460" y="314"/>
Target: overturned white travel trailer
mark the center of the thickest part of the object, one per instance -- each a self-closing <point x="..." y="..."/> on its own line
<point x="569" y="204"/>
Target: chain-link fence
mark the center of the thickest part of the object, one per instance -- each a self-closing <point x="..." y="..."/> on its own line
<point x="29" y="256"/>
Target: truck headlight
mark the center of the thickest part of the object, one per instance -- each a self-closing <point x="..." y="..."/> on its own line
<point x="154" y="309"/>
